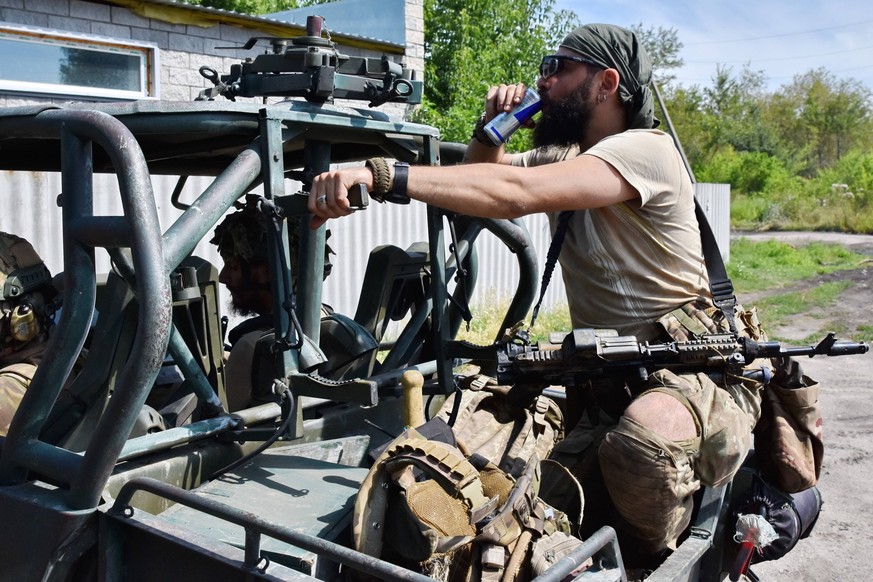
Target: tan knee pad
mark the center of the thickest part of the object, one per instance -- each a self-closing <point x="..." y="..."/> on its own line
<point x="651" y="482"/>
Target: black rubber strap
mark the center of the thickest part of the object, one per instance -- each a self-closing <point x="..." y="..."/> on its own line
<point x="397" y="194"/>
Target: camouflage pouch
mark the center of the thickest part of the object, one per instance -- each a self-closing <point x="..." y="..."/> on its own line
<point x="507" y="435"/>
<point x="699" y="318"/>
<point x="788" y="437"/>
<point x="690" y="321"/>
<point x="548" y="550"/>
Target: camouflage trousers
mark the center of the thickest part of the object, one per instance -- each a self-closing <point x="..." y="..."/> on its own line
<point x="650" y="480"/>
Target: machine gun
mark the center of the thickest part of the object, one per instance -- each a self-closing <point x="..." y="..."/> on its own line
<point x="586" y="354"/>
<point x="311" y="67"/>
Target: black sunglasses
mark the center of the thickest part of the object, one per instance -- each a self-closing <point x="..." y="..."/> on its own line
<point x="551" y="64"/>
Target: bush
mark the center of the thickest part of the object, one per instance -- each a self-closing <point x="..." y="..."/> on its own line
<point x="749" y="212"/>
<point x="855" y="170"/>
<point x="764" y="196"/>
<point x="746" y="172"/>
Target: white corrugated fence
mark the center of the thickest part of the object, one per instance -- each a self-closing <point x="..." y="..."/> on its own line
<point x="29" y="209"/>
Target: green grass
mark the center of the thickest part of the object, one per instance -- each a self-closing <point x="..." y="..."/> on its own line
<point x="762" y="266"/>
<point x="757" y="266"/>
<point x="863" y="333"/>
<point x="754" y="266"/>
<point x="773" y="312"/>
<point x="488" y="316"/>
<point x="776" y="309"/>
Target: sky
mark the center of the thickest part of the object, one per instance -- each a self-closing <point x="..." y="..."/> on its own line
<point x="781" y="38"/>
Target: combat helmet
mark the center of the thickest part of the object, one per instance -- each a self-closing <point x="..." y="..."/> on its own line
<point x="21" y="268"/>
<point x="243" y="234"/>
<point x="246" y="234"/>
<point x="25" y="282"/>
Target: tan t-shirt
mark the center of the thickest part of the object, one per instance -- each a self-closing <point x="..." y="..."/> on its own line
<point x="626" y="265"/>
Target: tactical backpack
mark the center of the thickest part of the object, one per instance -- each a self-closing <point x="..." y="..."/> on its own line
<point x="472" y="515"/>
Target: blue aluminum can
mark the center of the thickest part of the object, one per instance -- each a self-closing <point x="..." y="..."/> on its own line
<point x="501" y="128"/>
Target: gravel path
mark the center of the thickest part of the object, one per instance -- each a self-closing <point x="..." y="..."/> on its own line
<point x="840" y="546"/>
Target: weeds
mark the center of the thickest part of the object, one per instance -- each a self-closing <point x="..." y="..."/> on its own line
<point x="863" y="333"/>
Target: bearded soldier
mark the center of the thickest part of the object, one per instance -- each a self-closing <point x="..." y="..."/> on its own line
<point x="617" y="192"/>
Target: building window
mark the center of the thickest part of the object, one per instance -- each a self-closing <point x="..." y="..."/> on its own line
<point x="56" y="63"/>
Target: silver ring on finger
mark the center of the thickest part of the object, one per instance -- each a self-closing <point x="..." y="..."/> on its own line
<point x="321" y="199"/>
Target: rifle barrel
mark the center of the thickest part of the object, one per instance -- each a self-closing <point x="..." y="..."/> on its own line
<point x="836" y="349"/>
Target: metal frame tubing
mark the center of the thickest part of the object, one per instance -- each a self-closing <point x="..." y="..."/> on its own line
<point x="140" y="231"/>
<point x="255" y="527"/>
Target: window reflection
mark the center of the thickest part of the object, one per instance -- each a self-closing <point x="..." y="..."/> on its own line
<point x="42" y="63"/>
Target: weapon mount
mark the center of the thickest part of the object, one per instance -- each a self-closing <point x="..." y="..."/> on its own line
<point x="311" y="67"/>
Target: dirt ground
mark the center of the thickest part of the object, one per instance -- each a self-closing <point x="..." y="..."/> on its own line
<point x="841" y="545"/>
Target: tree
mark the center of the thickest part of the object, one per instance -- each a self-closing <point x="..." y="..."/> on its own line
<point x="687" y="112"/>
<point x="472" y="45"/>
<point x="823" y="116"/>
<point x="735" y="104"/>
<point x="663" y="46"/>
<point x="732" y="114"/>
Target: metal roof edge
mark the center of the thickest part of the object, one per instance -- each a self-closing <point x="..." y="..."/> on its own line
<point x="176" y="12"/>
<point x="353" y="16"/>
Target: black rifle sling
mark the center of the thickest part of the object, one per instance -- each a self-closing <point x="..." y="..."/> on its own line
<point x="552" y="258"/>
<point x="719" y="283"/>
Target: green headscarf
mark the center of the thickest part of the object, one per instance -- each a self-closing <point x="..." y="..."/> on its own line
<point x="614" y="47"/>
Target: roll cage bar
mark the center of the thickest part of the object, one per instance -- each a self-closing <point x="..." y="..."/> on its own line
<point x="240" y="145"/>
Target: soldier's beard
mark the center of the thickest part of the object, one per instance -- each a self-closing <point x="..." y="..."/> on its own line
<point x="246" y="299"/>
<point x="566" y="121"/>
<point x="242" y="309"/>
